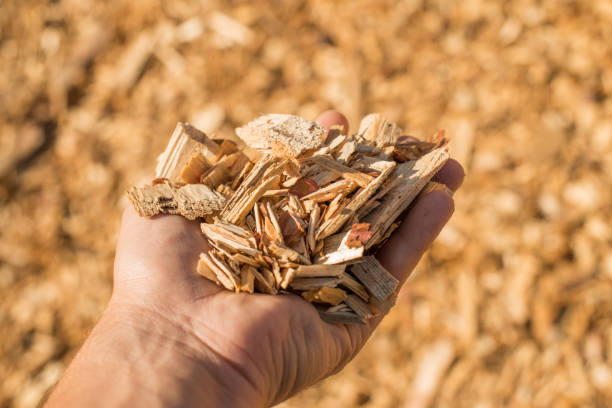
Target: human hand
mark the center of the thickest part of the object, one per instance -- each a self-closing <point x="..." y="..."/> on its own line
<point x="185" y="341"/>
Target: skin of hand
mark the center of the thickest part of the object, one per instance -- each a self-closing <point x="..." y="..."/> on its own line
<point x="172" y="338"/>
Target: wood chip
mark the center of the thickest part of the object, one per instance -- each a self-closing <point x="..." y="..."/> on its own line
<point x="331" y="191"/>
<point x="332" y="296"/>
<point x="309" y="283"/>
<point x="335" y="250"/>
<point x="283" y="135"/>
<point x="360" y="307"/>
<point x="316" y="271"/>
<point x="380" y="283"/>
<point x="348" y="173"/>
<point x="335" y="224"/>
<point x="186" y="141"/>
<point x="411" y="177"/>
<point x="247" y="280"/>
<point x="191" y="201"/>
<point x="375" y="128"/>
<point x="350" y="283"/>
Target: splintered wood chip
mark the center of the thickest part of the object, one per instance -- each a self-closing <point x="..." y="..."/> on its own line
<point x="191" y="201"/>
<point x="297" y="210"/>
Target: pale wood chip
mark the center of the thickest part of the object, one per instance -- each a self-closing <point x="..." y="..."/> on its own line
<point x="380" y="283"/>
<point x="348" y="173"/>
<point x="226" y="269"/>
<point x="221" y="276"/>
<point x="236" y="214"/>
<point x="261" y="283"/>
<point x="313" y="224"/>
<point x="309" y="283"/>
<point x="414" y="176"/>
<point x="247" y="280"/>
<point x="287" y="254"/>
<point x="225" y="148"/>
<point x="335" y="250"/>
<point x="228" y="239"/>
<point x="205" y="270"/>
<point x="276" y="193"/>
<point x="309" y="205"/>
<point x="191" y="201"/>
<point x="332" y="210"/>
<point x="186" y="141"/>
<point x="288" y="274"/>
<point x="330" y="191"/>
<point x="274" y="220"/>
<point x="193" y="170"/>
<point x="282" y="135"/>
<point x="258" y="220"/>
<point x="243" y="173"/>
<point x="215" y="176"/>
<point x="295" y="204"/>
<point x="243" y="259"/>
<point x="317" y="271"/>
<point x="376" y="129"/>
<point x="332" y="296"/>
<point x="264" y="175"/>
<point x="346" y="152"/>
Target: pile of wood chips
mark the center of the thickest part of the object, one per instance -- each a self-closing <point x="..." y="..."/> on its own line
<point x="298" y="209"/>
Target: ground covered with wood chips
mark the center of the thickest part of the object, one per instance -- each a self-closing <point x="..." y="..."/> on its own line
<point x="513" y="304"/>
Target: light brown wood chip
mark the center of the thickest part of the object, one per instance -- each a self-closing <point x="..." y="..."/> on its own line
<point x="376" y="129"/>
<point x="191" y="201"/>
<point x="332" y="296"/>
<point x="283" y="135"/>
<point x="415" y="175"/>
<point x="186" y="141"/>
<point x="348" y="173"/>
<point x="359" y="199"/>
<point x="309" y="283"/>
<point x="315" y="271"/>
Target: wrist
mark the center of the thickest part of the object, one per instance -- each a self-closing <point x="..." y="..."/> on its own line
<point x="139" y="357"/>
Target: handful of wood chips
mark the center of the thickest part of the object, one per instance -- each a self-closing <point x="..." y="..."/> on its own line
<point x="296" y="209"/>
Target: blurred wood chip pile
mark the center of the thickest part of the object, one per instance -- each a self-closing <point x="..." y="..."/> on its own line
<point x="512" y="305"/>
<point x="294" y="208"/>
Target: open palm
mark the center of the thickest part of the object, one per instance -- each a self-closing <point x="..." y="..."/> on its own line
<point x="267" y="348"/>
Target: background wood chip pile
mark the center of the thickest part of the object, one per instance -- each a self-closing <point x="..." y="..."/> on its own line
<point x="512" y="305"/>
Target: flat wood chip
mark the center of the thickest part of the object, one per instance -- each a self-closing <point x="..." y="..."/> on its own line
<point x="375" y="278"/>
